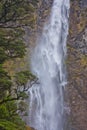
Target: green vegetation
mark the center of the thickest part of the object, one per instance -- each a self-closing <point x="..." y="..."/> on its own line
<point x="9" y="119"/>
<point x="14" y="15"/>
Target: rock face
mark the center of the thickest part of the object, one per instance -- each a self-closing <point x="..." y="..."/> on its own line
<point x="42" y="14"/>
<point x="77" y="65"/>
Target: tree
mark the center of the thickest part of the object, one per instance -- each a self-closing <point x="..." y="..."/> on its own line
<point x="17" y="13"/>
<point x="9" y="118"/>
<point x="23" y="81"/>
<point x="11" y="44"/>
<point x="14" y="16"/>
<point x="5" y="84"/>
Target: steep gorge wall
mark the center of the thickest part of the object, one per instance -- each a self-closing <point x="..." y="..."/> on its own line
<point x="77" y="65"/>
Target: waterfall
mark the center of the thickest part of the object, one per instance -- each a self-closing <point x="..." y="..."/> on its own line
<point x="46" y="103"/>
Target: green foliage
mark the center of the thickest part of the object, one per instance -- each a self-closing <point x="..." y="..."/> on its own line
<point x="11" y="44"/>
<point x="3" y="112"/>
<point x="14" y="15"/>
<point x="21" y="80"/>
<point x="9" y="119"/>
<point x="7" y="125"/>
<point x="3" y="56"/>
<point x="5" y="83"/>
<point x="11" y="40"/>
<point x="24" y="76"/>
<point x="17" y="11"/>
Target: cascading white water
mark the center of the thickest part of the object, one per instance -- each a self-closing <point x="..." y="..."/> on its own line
<point x="46" y="108"/>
